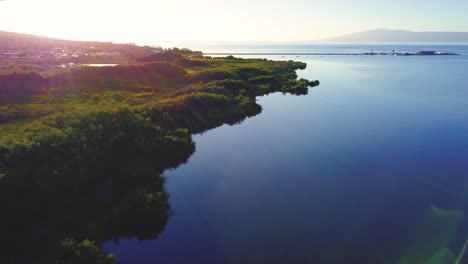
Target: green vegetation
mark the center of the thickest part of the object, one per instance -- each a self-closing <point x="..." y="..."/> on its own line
<point x="84" y="252"/>
<point x="83" y="150"/>
<point x="92" y="176"/>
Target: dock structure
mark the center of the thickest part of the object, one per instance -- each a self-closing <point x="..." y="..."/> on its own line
<point x="372" y="53"/>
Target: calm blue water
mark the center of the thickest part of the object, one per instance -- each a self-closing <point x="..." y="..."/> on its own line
<point x="370" y="167"/>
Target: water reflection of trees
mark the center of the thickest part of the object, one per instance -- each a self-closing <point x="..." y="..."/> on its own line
<point x="61" y="203"/>
<point x="50" y="205"/>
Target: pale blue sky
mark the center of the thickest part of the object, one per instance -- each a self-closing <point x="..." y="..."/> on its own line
<point x="149" y="21"/>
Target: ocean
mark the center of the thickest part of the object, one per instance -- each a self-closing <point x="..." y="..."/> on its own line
<point x="369" y="167"/>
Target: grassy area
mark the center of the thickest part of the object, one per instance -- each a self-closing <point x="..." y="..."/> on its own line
<point x="87" y="89"/>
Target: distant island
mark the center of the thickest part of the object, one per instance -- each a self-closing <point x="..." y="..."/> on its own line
<point x="389" y="35"/>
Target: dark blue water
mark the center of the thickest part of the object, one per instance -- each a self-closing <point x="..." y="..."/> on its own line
<point x="370" y="167"/>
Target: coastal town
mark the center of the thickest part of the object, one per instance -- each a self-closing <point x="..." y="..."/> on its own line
<point x="68" y="54"/>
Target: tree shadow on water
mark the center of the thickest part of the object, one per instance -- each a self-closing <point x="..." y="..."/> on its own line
<point x="60" y="211"/>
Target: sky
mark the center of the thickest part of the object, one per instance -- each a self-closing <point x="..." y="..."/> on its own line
<point x="152" y="21"/>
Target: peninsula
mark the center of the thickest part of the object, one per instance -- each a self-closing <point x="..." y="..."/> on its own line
<point x="83" y="149"/>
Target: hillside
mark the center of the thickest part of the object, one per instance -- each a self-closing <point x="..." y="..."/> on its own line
<point x="29" y="53"/>
<point x="12" y="41"/>
<point x="387" y="35"/>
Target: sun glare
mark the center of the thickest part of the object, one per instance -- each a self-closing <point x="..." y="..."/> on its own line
<point x="144" y="21"/>
<point x="152" y="21"/>
<point x="54" y="18"/>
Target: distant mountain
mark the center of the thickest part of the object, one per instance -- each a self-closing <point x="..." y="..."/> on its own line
<point x="387" y="35"/>
<point x="10" y="41"/>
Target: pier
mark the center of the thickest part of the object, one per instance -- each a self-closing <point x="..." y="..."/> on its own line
<point x="372" y="53"/>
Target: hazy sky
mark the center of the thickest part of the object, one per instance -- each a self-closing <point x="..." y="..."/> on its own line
<point x="152" y="21"/>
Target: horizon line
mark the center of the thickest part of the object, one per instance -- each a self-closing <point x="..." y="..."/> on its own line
<point x="328" y="40"/>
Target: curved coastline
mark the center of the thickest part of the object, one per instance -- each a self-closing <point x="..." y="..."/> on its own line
<point x="82" y="177"/>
